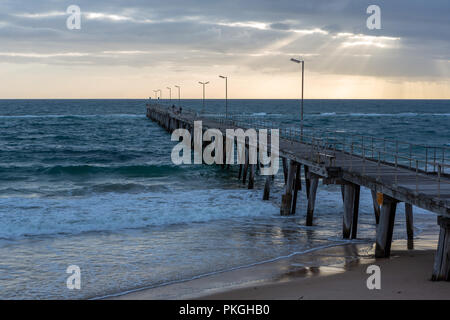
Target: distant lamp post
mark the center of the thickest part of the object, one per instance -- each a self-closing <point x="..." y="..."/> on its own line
<point x="204" y="84"/>
<point x="303" y="80"/>
<point x="156" y="92"/>
<point x="178" y="87"/>
<point x="170" y="93"/>
<point x="226" y="95"/>
<point x="160" y="93"/>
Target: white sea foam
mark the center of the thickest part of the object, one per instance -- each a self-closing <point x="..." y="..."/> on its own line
<point x="113" y="211"/>
<point x="259" y="114"/>
<point x="43" y="116"/>
<point x="328" y="114"/>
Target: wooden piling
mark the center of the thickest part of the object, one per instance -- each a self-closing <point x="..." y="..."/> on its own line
<point x="409" y="225"/>
<point x="244" y="176"/>
<point x="349" y="194"/>
<point x="251" y="177"/>
<point x="285" y="169"/>
<point x="351" y="208"/>
<point x="266" y="194"/>
<point x="355" y="211"/>
<point x="376" y="207"/>
<point x="314" y="182"/>
<point x="297" y="186"/>
<point x="286" y="199"/>
<point x="385" y="228"/>
<point x="441" y="268"/>
<point x="307" y="181"/>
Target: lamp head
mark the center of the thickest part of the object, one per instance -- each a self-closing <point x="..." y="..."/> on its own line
<point x="296" y="60"/>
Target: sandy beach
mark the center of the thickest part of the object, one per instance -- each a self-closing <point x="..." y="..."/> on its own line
<point x="342" y="275"/>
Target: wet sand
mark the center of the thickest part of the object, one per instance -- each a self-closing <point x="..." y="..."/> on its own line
<point x="331" y="273"/>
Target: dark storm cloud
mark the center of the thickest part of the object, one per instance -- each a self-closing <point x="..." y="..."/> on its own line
<point x="194" y="32"/>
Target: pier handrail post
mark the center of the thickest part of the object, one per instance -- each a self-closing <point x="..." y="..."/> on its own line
<point x="417" y="176"/>
<point x="434" y="159"/>
<point x="378" y="167"/>
<point x="372" y="147"/>
<point x="351" y="156"/>
<point x="410" y="155"/>
<point x="364" y="160"/>
<point x="396" y="170"/>
<point x="439" y="180"/>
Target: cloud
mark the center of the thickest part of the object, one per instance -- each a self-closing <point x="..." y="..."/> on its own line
<point x="239" y="34"/>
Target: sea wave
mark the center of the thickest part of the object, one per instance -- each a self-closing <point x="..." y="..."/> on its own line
<point x="24" y="217"/>
<point x="149" y="170"/>
<point x="112" y="115"/>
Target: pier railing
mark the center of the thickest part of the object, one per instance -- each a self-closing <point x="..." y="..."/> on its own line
<point x="422" y="160"/>
<point x="430" y="161"/>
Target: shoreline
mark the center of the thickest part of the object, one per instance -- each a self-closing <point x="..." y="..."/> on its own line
<point x="199" y="277"/>
<point x="335" y="272"/>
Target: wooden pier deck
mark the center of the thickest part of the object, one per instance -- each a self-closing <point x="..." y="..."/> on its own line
<point x="394" y="171"/>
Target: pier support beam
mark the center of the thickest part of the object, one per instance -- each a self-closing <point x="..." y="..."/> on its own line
<point x="409" y="225"/>
<point x="266" y="194"/>
<point x="251" y="176"/>
<point x="351" y="209"/>
<point x="244" y="175"/>
<point x="314" y="182"/>
<point x="441" y="269"/>
<point x="385" y="228"/>
<point x="286" y="199"/>
<point x="355" y="212"/>
<point x="307" y="181"/>
<point x="376" y="206"/>
<point x="285" y="169"/>
<point x="297" y="186"/>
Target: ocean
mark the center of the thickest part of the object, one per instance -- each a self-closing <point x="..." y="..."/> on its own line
<point x="90" y="183"/>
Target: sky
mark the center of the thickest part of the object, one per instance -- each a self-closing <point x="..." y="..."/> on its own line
<point x="127" y="49"/>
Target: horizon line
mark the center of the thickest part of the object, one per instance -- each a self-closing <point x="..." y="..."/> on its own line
<point x="200" y="99"/>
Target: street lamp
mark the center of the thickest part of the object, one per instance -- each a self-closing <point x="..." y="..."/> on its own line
<point x="178" y="87"/>
<point x="226" y="95"/>
<point x="170" y="93"/>
<point x="203" y="83"/>
<point x="160" y="93"/>
<point x="303" y="79"/>
<point x="155" y="91"/>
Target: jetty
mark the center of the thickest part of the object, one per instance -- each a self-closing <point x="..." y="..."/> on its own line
<point x="395" y="172"/>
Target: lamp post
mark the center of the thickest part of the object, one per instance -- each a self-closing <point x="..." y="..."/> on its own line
<point x="155" y="91"/>
<point x="204" y="84"/>
<point x="303" y="80"/>
<point x="160" y="93"/>
<point x="178" y="87"/>
<point x="226" y="95"/>
<point x="170" y="93"/>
